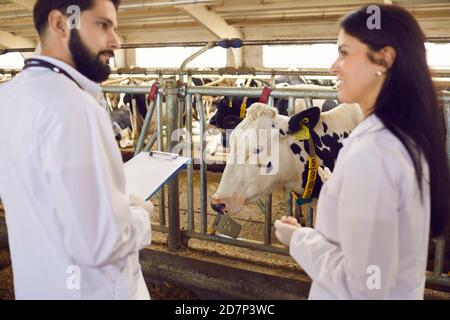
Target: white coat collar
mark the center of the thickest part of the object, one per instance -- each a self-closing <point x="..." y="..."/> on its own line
<point x="370" y="124"/>
<point x="89" y="86"/>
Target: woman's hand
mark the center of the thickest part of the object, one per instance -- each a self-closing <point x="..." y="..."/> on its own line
<point x="324" y="174"/>
<point x="284" y="228"/>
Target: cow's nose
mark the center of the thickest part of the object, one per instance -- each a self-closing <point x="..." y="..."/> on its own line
<point x="218" y="207"/>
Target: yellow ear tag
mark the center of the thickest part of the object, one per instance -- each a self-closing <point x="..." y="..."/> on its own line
<point x="231" y="103"/>
<point x="243" y="110"/>
<point x="302" y="134"/>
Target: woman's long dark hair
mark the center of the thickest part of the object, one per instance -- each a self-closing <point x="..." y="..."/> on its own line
<point x="408" y="104"/>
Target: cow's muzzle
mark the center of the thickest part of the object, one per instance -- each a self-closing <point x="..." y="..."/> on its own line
<point x="218" y="207"/>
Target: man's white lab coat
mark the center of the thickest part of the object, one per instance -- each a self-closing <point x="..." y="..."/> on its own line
<point x="72" y="234"/>
<point x="371" y="235"/>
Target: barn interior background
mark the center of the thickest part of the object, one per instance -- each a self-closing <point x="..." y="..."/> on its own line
<point x="279" y="44"/>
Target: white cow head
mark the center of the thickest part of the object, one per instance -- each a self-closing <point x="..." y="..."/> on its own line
<point x="265" y="155"/>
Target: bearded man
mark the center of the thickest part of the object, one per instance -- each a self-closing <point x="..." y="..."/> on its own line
<point x="73" y="232"/>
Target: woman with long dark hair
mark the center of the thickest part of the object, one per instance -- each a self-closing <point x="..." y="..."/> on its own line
<point x="391" y="183"/>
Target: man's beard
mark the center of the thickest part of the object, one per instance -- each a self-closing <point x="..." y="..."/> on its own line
<point x="86" y="62"/>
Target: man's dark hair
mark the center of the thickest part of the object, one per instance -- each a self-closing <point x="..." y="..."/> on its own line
<point x="42" y="9"/>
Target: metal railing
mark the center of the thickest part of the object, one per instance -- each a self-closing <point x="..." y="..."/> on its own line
<point x="176" y="236"/>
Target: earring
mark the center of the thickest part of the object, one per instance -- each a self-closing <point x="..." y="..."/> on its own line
<point x="379" y="73"/>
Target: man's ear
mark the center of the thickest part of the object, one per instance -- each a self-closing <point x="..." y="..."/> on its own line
<point x="308" y="118"/>
<point x="57" y="24"/>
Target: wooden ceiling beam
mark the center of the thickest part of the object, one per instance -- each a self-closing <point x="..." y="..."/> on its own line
<point x="28" y="4"/>
<point x="9" y="40"/>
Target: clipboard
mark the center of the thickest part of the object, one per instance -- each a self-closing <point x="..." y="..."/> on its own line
<point x="147" y="172"/>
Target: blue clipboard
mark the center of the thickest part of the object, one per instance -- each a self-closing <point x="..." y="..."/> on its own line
<point x="147" y="172"/>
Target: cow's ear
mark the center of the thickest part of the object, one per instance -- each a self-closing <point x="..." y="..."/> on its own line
<point x="308" y="118"/>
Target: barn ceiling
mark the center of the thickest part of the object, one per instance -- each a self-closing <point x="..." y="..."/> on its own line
<point x="148" y="21"/>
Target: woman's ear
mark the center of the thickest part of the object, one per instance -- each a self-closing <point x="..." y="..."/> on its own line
<point x="388" y="56"/>
<point x="385" y="57"/>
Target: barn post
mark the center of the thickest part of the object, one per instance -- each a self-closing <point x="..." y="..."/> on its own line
<point x="190" y="168"/>
<point x="174" y="237"/>
<point x="160" y="145"/>
<point x="288" y="209"/>
<point x="203" y="172"/>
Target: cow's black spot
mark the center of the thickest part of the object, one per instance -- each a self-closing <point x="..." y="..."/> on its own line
<point x="282" y="132"/>
<point x="325" y="127"/>
<point x="295" y="148"/>
<point x="345" y="135"/>
<point x="316" y="139"/>
<point x="269" y="167"/>
<point x="302" y="159"/>
<point x="329" y="155"/>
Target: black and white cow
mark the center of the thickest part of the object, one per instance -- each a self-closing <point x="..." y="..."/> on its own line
<point x="228" y="109"/>
<point x="228" y="114"/>
<point x="141" y="101"/>
<point x="127" y="122"/>
<point x="279" y="159"/>
<point x="121" y="120"/>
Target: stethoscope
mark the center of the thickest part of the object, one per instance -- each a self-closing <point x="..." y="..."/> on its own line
<point x="33" y="62"/>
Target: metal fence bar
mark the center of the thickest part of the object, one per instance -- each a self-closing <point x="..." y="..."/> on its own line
<point x="160" y="228"/>
<point x="261" y="205"/>
<point x="291" y="105"/>
<point x="256" y="92"/>
<point x="437" y="277"/>
<point x="288" y="203"/>
<point x="151" y="142"/>
<point x="229" y="71"/>
<point x="439" y="256"/>
<point x="298" y="213"/>
<point x="241" y="71"/>
<point x="160" y="144"/>
<point x="268" y="220"/>
<point x="255" y="42"/>
<point x="190" y="168"/>
<point x="243" y="243"/>
<point x="233" y="91"/>
<point x="268" y="205"/>
<point x="288" y="208"/>
<point x="144" y="130"/>
<point x="203" y="177"/>
<point x="242" y="92"/>
<point x="172" y="125"/>
<point x="442" y="279"/>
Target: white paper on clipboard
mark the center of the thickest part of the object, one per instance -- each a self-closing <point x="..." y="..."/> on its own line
<point x="147" y="172"/>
